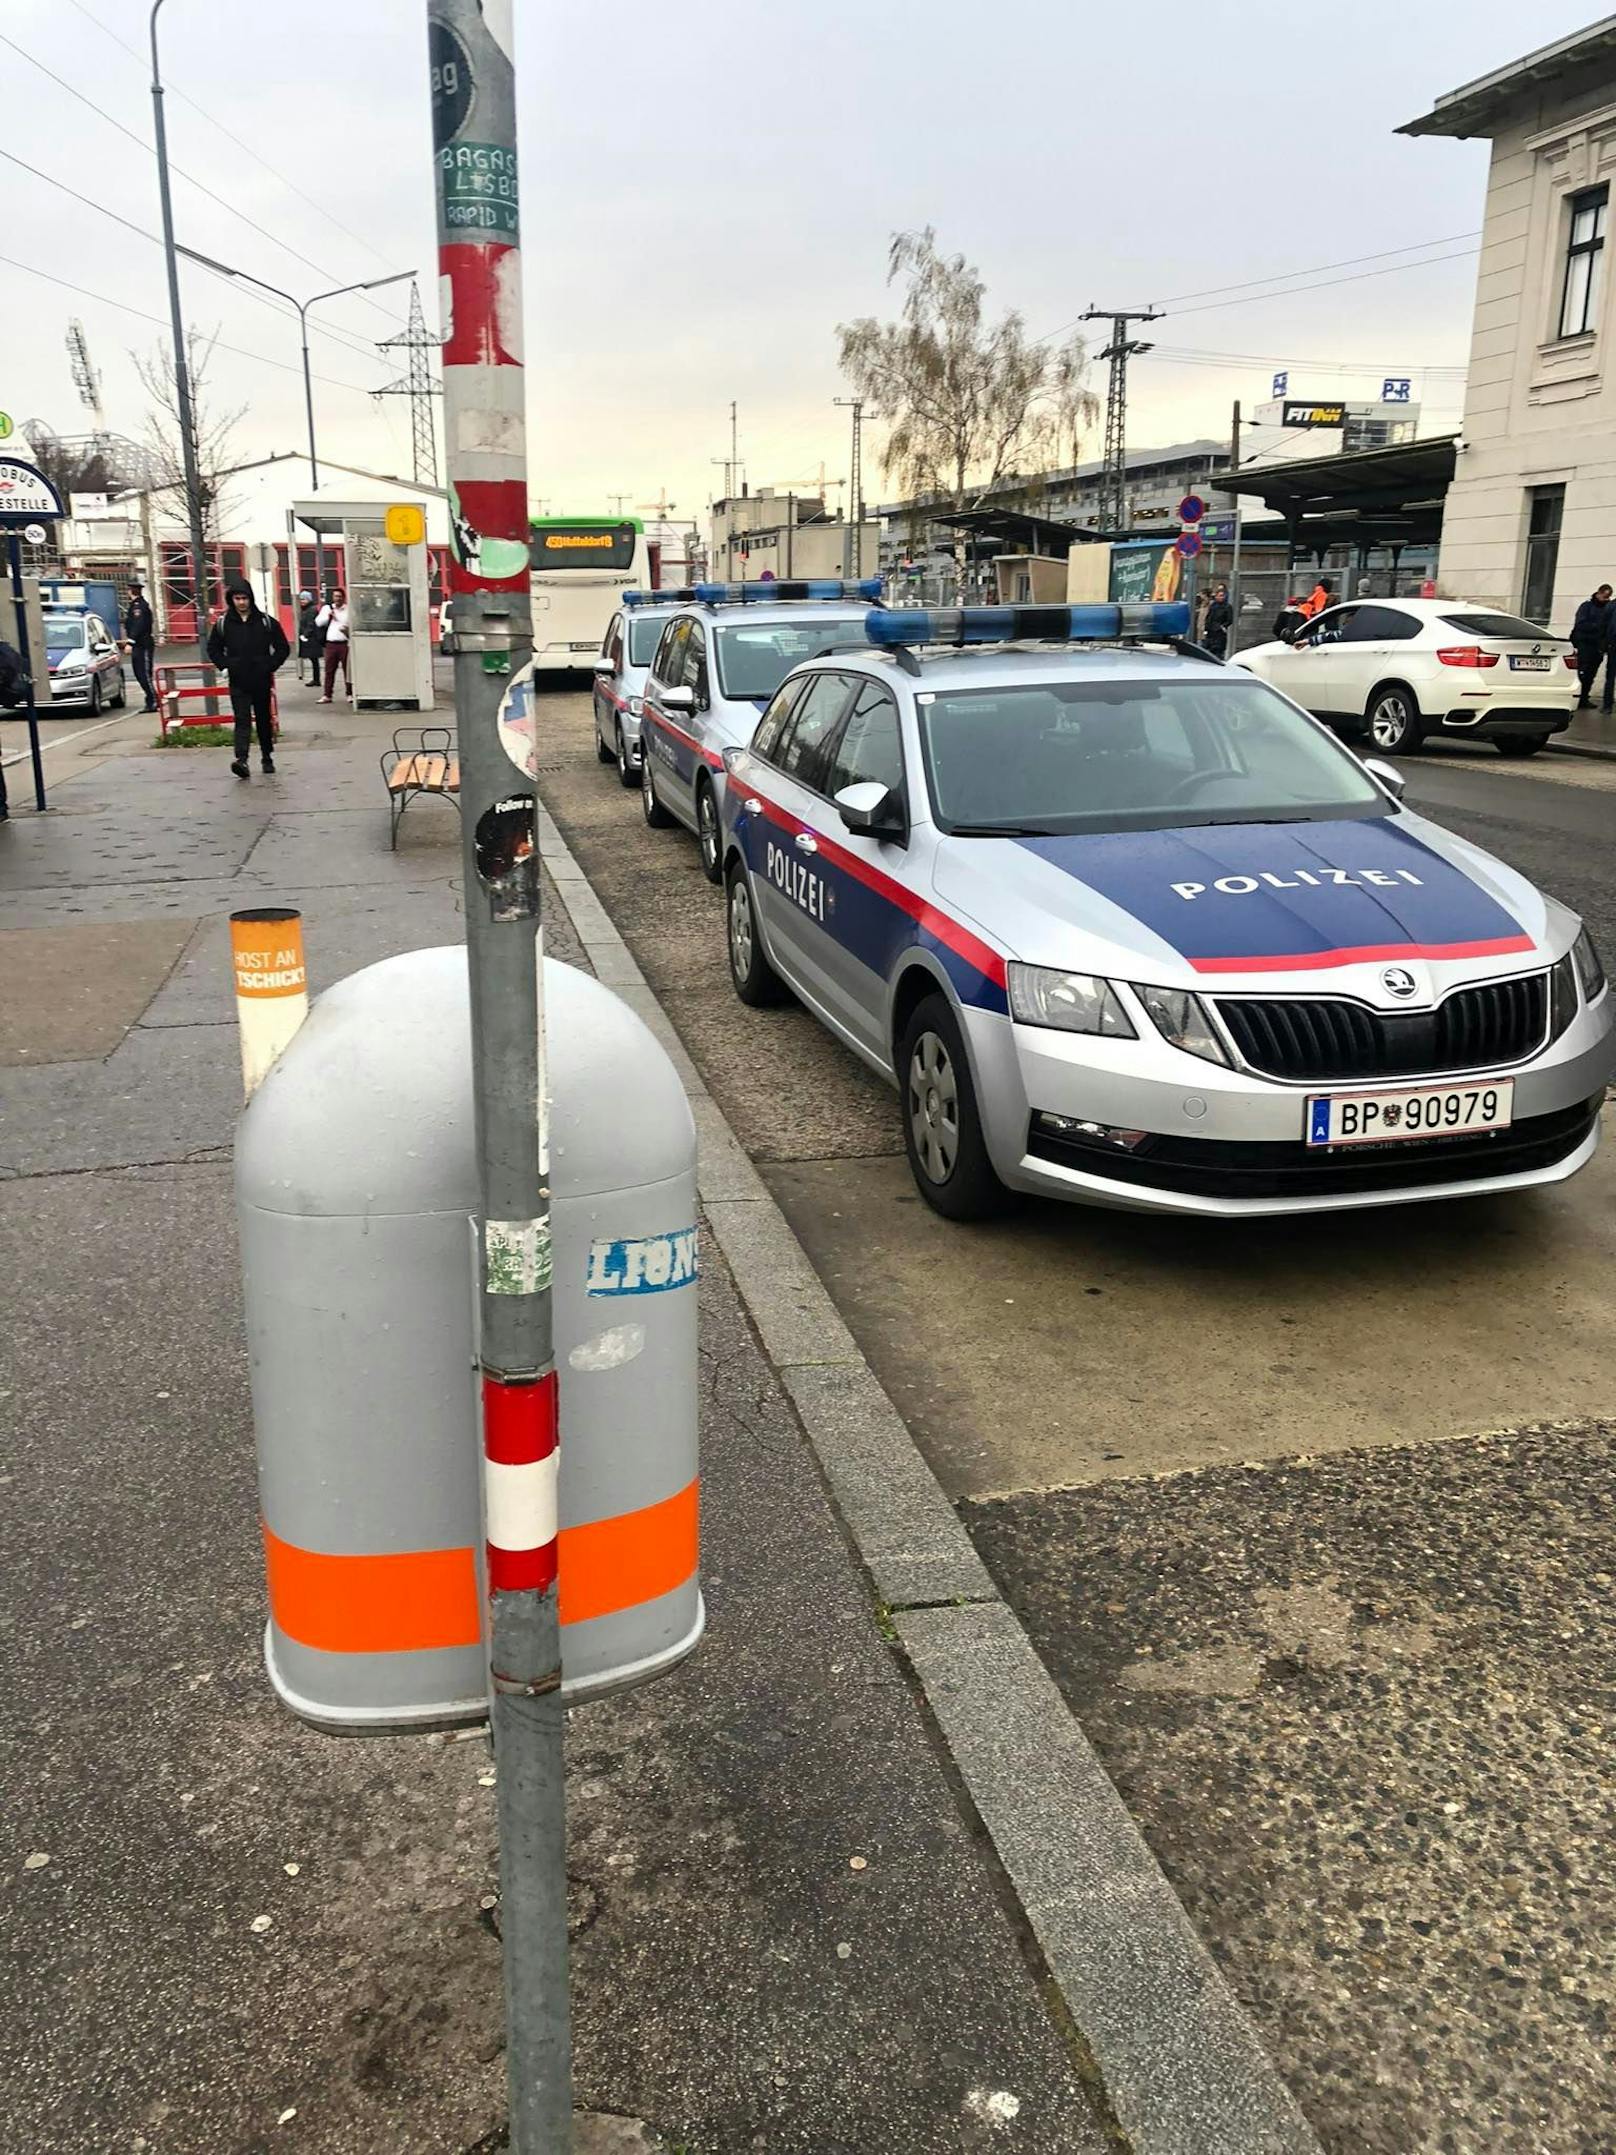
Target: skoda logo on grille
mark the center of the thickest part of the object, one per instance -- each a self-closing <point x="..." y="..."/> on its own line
<point x="1398" y="980"/>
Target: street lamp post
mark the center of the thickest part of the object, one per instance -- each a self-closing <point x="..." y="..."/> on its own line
<point x="182" y="371"/>
<point x="243" y="276"/>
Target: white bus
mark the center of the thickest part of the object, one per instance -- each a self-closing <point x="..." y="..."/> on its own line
<point x="581" y="567"/>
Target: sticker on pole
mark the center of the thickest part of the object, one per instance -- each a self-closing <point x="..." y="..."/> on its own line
<point x="506" y="850"/>
<point x="516" y="722"/>
<point x="645" y="1264"/>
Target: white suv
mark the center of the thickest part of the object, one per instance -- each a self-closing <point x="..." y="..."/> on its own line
<point x="1390" y="672"/>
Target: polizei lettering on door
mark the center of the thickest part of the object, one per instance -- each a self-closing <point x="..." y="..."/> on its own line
<point x="797" y="880"/>
<point x="1240" y="886"/>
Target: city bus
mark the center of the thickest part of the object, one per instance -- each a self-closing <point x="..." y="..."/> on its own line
<point x="581" y="567"/>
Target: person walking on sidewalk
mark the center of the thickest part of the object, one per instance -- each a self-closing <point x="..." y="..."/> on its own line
<point x="1219" y="619"/>
<point x="310" y="637"/>
<point x="333" y="623"/>
<point x="250" y="646"/>
<point x="140" y="639"/>
<point x="1590" y="637"/>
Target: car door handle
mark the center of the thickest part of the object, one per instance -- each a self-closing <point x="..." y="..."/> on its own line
<point x="752" y="805"/>
<point x="806" y="842"/>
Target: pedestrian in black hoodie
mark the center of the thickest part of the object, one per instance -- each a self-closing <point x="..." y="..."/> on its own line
<point x="1590" y="634"/>
<point x="249" y="645"/>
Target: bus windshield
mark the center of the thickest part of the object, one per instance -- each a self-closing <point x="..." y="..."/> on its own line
<point x="608" y="548"/>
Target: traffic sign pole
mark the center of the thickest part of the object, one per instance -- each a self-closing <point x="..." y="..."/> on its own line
<point x="471" y="53"/>
<point x="14" y="548"/>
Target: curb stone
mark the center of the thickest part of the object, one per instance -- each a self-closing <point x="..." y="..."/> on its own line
<point x="1182" y="2065"/>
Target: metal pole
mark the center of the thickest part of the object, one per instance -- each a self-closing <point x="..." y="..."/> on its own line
<point x="471" y="55"/>
<point x="182" y="371"/>
<point x="303" y="307"/>
<point x="1239" y="516"/>
<point x="14" y="547"/>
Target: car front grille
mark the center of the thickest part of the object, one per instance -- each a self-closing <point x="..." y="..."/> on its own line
<point x="1479" y="1028"/>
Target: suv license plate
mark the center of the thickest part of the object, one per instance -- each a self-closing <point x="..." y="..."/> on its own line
<point x="1530" y="665"/>
<point x="1383" y="1118"/>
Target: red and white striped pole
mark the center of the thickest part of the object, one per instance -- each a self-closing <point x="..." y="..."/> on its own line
<point x="471" y="52"/>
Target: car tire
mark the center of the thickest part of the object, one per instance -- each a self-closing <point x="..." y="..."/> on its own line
<point x="94" y="710"/>
<point x="756" y="982"/>
<point x="942" y="1131"/>
<point x="121" y="700"/>
<point x="627" y="775"/>
<point x="656" y="816"/>
<point x="603" y="754"/>
<point x="1395" y="725"/>
<point x="1520" y="744"/>
<point x="709" y="832"/>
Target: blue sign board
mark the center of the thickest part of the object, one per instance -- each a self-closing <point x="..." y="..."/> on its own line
<point x="1395" y="389"/>
<point x="1282" y="382"/>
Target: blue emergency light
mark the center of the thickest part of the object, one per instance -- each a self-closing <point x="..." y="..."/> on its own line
<point x="767" y="594"/>
<point x="665" y="595"/>
<point x="1156" y="620"/>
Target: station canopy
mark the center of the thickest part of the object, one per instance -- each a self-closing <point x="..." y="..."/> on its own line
<point x="1390" y="497"/>
<point x="1015" y="531"/>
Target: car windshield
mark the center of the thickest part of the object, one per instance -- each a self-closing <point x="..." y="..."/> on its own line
<point x="1510" y="626"/>
<point x="1133" y="756"/>
<point x="643" y="634"/>
<point x="64" y="635"/>
<point x="754" y="658"/>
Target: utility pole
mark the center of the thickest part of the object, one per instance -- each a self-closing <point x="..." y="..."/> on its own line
<point x="182" y="369"/>
<point x="734" y="451"/>
<point x="1239" y="507"/>
<point x="855" y="558"/>
<point x="1114" y="482"/>
<point x="471" y="54"/>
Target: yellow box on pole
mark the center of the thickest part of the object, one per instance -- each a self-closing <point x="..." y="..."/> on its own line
<point x="405" y="523"/>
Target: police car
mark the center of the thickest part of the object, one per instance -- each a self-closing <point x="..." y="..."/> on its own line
<point x="717" y="663"/>
<point x="625" y="658"/>
<point x="1124" y="926"/>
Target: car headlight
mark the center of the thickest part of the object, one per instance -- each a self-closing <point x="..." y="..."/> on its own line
<point x="1069" y="1002"/>
<point x="1589" y="970"/>
<point x="1181" y="1018"/>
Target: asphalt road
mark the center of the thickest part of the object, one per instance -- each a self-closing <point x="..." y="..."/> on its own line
<point x="1088" y="1384"/>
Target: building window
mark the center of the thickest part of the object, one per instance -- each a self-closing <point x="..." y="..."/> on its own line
<point x="1545" y="505"/>
<point x="1584" y="262"/>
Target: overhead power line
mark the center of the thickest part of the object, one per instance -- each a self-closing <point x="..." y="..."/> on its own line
<point x="213" y="195"/>
<point x="1323" y="285"/>
<point x="123" y="307"/>
<point x="230" y="136"/>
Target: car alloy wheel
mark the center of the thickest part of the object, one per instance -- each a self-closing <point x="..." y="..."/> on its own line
<point x="740" y="928"/>
<point x="95" y="694"/>
<point x="933" y="1105"/>
<point x="626" y="773"/>
<point x="1393" y="722"/>
<point x="655" y="814"/>
<point x="708" y="836"/>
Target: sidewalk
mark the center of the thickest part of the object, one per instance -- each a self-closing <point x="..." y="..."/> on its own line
<point x="740" y="1981"/>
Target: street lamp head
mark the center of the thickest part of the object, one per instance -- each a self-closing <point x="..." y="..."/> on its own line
<point x="206" y="260"/>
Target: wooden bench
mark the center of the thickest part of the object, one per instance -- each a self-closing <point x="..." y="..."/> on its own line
<point x="421" y="760"/>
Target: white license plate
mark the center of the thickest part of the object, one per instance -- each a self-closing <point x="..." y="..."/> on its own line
<point x="1385" y="1118"/>
<point x="1531" y="665"/>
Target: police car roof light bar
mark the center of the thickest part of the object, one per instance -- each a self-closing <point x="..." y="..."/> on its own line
<point x="664" y="595"/>
<point x="769" y="594"/>
<point x="1158" y="621"/>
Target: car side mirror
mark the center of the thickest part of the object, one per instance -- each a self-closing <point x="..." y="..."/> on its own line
<point x="678" y="699"/>
<point x="1387" y="776"/>
<point x="604" y="668"/>
<point x="872" y="811"/>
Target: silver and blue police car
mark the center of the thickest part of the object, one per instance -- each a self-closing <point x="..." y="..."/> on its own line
<point x="1125" y="926"/>
<point x="718" y="662"/>
<point x="626" y="652"/>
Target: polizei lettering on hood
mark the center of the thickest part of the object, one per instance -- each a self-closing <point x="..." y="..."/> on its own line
<point x="1240" y="886"/>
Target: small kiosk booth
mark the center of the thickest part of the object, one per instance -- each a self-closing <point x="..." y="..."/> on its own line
<point x="389" y="596"/>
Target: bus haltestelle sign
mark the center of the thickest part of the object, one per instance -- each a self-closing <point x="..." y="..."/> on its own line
<point x="25" y="493"/>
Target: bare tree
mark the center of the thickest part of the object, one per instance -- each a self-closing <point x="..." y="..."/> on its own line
<point x="965" y="401"/>
<point x="213" y="433"/>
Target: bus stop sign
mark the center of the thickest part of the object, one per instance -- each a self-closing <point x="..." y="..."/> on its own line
<point x="25" y="494"/>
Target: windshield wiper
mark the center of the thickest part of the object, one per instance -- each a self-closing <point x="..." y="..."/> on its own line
<point x="1001" y="830"/>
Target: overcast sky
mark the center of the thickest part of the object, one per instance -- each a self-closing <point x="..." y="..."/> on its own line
<point x="709" y="188"/>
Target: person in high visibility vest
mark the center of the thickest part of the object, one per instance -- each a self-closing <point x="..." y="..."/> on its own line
<point x="1322" y="595"/>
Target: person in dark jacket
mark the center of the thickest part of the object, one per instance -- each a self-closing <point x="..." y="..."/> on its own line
<point x="250" y="646"/>
<point x="1591" y="637"/>
<point x="1290" y="621"/>
<point x="310" y="636"/>
<point x="1218" y="622"/>
<point x="140" y="639"/>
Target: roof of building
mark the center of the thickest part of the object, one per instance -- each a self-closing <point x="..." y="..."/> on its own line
<point x="1017" y="530"/>
<point x="1476" y="107"/>
<point x="1369" y="497"/>
<point x="1205" y="451"/>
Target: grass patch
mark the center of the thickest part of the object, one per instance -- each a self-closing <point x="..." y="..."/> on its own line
<point x="197" y="737"/>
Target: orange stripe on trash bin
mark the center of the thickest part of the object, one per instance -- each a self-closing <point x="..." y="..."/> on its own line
<point x="423" y="1598"/>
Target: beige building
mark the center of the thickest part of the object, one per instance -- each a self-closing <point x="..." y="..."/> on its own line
<point x="1530" y="521"/>
<point x="787" y="535"/>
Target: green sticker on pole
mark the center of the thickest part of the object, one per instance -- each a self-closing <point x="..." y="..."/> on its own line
<point x="479" y="188"/>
